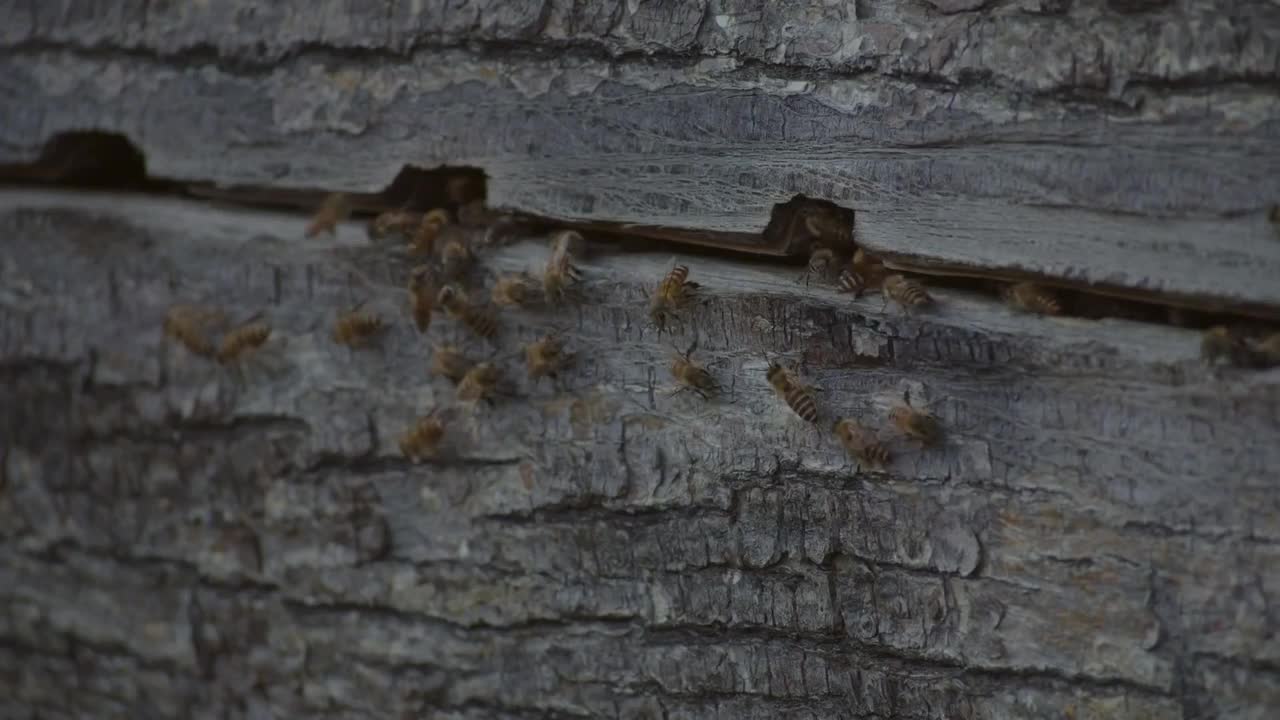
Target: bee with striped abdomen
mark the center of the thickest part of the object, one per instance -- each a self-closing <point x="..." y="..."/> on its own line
<point x="335" y="208"/>
<point x="515" y="290"/>
<point x="560" y="272"/>
<point x="1029" y="297"/>
<point x="862" y="442"/>
<point x="480" y="383"/>
<point x="546" y="357"/>
<point x="423" y="438"/>
<point x="908" y="293"/>
<point x="693" y="376"/>
<point x="247" y="337"/>
<point x="916" y="424"/>
<point x="424" y="239"/>
<point x="449" y="362"/>
<point x="798" y="396"/>
<point x="394" y="222"/>
<point x="671" y="295"/>
<point x="357" y="328"/>
<point x="480" y="319"/>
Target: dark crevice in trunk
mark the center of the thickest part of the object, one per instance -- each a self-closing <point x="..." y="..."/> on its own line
<point x="100" y="160"/>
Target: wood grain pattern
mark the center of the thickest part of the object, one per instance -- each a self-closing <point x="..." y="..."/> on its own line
<point x="1098" y="535"/>
<point x="1132" y="144"/>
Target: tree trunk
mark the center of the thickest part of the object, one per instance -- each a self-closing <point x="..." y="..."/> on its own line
<point x="1096" y="535"/>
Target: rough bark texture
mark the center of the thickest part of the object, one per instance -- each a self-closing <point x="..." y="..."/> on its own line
<point x="1133" y="143"/>
<point x="1098" y="536"/>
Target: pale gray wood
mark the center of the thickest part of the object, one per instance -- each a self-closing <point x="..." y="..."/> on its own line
<point x="1099" y="534"/>
<point x="1130" y="144"/>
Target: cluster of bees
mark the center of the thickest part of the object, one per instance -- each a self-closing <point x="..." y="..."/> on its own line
<point x="440" y="284"/>
<point x="1240" y="348"/>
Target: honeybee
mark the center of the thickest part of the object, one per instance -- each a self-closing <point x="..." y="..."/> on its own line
<point x="799" y="397"/>
<point x="394" y="222"/>
<point x="1267" y="351"/>
<point x="424" y="239"/>
<point x="822" y="260"/>
<point x="480" y="383"/>
<point x="915" y="424"/>
<point x="1032" y="298"/>
<point x="851" y="281"/>
<point x="333" y="210"/>
<point x="906" y="292"/>
<point x="481" y="320"/>
<point x="868" y="266"/>
<point x="355" y="328"/>
<point x="672" y="294"/>
<point x="862" y="442"/>
<point x="560" y="272"/>
<point x="460" y="189"/>
<point x="1220" y="341"/>
<point x="828" y="224"/>
<point x="422" y="438"/>
<point x="422" y="296"/>
<point x="514" y="289"/>
<point x="249" y="336"/>
<point x="449" y="362"/>
<point x="693" y="376"/>
<point x="456" y="257"/>
<point x="546" y="357"/>
<point x="190" y="324"/>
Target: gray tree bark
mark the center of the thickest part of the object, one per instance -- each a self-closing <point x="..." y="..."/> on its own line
<point x="1097" y="535"/>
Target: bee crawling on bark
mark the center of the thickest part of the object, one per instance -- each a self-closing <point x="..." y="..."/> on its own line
<point x="357" y="328"/>
<point x="1266" y="351"/>
<point x="1222" y="342"/>
<point x="335" y="209"/>
<point x="424" y="238"/>
<point x="447" y="361"/>
<point x="515" y="289"/>
<point x="422" y="296"/>
<point x="862" y="442"/>
<point x="916" y="424"/>
<point x="480" y="383"/>
<point x="191" y="324"/>
<point x="422" y="439"/>
<point x="798" y="396"/>
<point x="560" y="272"/>
<point x="394" y="222"/>
<point x="1029" y="297"/>
<point x="249" y="336"/>
<point x="692" y="376"/>
<point x="672" y="294"/>
<point x="909" y="294"/>
<point x="546" y="357"/>
<point x="1239" y="349"/>
<point x="456" y="257"/>
<point x="480" y="319"/>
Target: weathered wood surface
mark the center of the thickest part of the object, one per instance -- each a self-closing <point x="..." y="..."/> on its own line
<point x="1098" y="536"/>
<point x="1126" y="143"/>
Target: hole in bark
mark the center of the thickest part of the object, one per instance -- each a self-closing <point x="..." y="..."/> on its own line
<point x="86" y="159"/>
